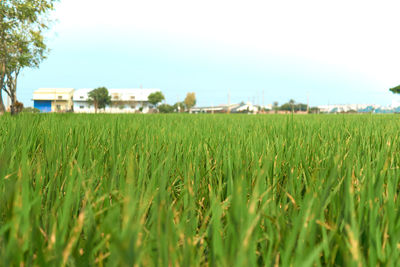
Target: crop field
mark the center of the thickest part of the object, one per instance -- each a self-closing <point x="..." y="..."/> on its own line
<point x="199" y="190"/>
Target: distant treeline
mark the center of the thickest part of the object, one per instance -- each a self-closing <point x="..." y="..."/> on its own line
<point x="295" y="107"/>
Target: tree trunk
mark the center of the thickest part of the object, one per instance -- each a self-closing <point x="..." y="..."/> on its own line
<point x="2" y="82"/>
<point x="12" y="110"/>
<point x="12" y="88"/>
<point x="2" y="108"/>
<point x="13" y="99"/>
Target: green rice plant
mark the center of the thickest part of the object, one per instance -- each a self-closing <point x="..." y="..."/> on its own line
<point x="199" y="190"/>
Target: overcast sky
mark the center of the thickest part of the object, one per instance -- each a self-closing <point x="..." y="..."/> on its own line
<point x="334" y="51"/>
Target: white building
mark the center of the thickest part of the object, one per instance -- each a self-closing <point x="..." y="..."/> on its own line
<point x="346" y="108"/>
<point x="122" y="101"/>
<point x="248" y="107"/>
<point x="233" y="108"/>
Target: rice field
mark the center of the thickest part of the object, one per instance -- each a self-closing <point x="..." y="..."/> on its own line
<point x="199" y="190"/>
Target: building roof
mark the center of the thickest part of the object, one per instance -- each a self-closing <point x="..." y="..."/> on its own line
<point x="215" y="108"/>
<point x="245" y="107"/>
<point x="53" y="93"/>
<point x="54" y="90"/>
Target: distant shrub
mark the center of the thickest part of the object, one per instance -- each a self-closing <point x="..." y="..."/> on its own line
<point x="165" y="108"/>
<point x="30" y="110"/>
<point x="19" y="107"/>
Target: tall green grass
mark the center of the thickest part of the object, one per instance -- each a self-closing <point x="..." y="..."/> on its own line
<point x="201" y="190"/>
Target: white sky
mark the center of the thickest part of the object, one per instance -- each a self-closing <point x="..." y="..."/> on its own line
<point x="360" y="37"/>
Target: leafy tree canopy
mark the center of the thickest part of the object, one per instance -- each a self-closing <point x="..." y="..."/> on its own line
<point x="99" y="97"/>
<point x="293" y="106"/>
<point x="155" y="98"/>
<point x="179" y="106"/>
<point x="190" y="100"/>
<point x="22" y="44"/>
<point x="165" y="108"/>
<point x="395" y="90"/>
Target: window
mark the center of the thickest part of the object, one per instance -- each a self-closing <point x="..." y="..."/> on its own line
<point x="58" y="107"/>
<point x="59" y="97"/>
<point x="133" y="106"/>
<point x="81" y="107"/>
<point x="81" y="97"/>
<point x="116" y="97"/>
<point x="133" y="97"/>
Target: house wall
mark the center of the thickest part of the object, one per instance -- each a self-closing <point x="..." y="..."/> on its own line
<point x="61" y="106"/>
<point x="84" y="107"/>
<point x="52" y="106"/>
<point x="122" y="101"/>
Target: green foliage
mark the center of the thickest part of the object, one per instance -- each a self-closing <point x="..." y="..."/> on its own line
<point x="190" y="100"/>
<point x="293" y="106"/>
<point x="275" y="106"/>
<point x="314" y="110"/>
<point x="395" y="90"/>
<point x="31" y="110"/>
<point x="99" y="97"/>
<point x="199" y="190"/>
<point x="179" y="106"/>
<point x="22" y="24"/>
<point x="155" y="98"/>
<point x="165" y="108"/>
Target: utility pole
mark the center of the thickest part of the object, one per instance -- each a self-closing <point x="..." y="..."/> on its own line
<point x="308" y="102"/>
<point x="263" y="103"/>
<point x="229" y="101"/>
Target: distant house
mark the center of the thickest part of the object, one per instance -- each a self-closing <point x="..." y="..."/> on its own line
<point x="53" y="99"/>
<point x="233" y="108"/>
<point x="348" y="108"/>
<point x="122" y="101"/>
<point x="245" y="108"/>
<point x="214" y="109"/>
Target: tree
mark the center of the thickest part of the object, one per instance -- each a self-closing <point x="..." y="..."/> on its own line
<point x="22" y="23"/>
<point x="275" y="106"/>
<point x="286" y="107"/>
<point x="100" y="98"/>
<point x="293" y="106"/>
<point x="292" y="103"/>
<point x="314" y="110"/>
<point x="155" y="98"/>
<point x="395" y="90"/>
<point x="300" y="107"/>
<point x="190" y="100"/>
<point x="165" y="108"/>
<point x="179" y="106"/>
